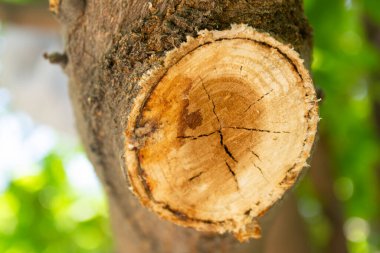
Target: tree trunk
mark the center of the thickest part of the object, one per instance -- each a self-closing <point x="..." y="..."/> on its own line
<point x="165" y="93"/>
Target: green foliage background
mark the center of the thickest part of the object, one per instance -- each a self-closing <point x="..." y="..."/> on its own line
<point x="41" y="213"/>
<point x="345" y="67"/>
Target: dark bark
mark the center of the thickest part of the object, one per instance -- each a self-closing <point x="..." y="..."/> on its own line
<point x="109" y="46"/>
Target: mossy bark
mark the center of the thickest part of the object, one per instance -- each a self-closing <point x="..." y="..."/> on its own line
<point x="109" y="46"/>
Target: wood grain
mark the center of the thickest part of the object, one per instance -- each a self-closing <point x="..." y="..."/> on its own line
<point x="221" y="131"/>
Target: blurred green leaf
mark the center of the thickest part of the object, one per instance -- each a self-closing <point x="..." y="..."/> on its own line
<point x="343" y="65"/>
<point x="39" y="213"/>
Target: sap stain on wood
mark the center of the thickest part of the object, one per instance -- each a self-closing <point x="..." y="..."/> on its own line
<point x="187" y="120"/>
<point x="193" y="119"/>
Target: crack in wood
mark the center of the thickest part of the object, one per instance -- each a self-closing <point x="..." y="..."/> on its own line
<point x="257" y="130"/>
<point x="233" y="175"/>
<point x="194" y="137"/>
<point x="212" y="102"/>
<point x="261" y="171"/>
<point x="255" y="154"/>
<point x="228" y="152"/>
<point x="258" y="100"/>
<point x="195" y="176"/>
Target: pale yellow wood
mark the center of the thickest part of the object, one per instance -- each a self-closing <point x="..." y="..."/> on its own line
<point x="221" y="131"/>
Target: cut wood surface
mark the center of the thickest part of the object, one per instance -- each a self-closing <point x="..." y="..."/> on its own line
<point x="221" y="131"/>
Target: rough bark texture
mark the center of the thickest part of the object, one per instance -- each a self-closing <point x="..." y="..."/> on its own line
<point x="109" y="46"/>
